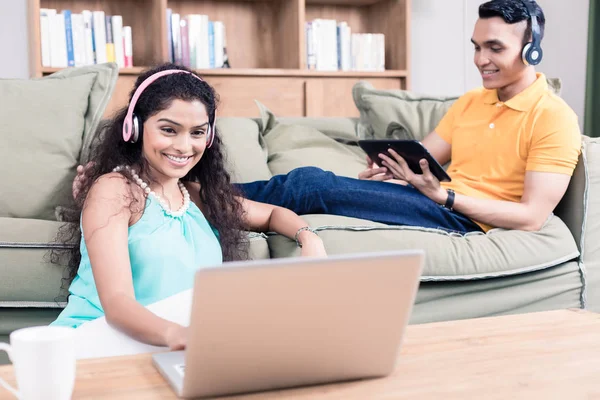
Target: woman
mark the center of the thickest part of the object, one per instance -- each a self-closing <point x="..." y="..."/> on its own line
<point x="159" y="205"/>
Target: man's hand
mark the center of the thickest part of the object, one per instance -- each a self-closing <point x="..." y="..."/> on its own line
<point x="374" y="172"/>
<point x="82" y="178"/>
<point x="426" y="183"/>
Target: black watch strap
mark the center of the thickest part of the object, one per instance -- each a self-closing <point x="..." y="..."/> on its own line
<point x="450" y="200"/>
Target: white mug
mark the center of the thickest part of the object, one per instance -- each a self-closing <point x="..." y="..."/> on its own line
<point x="43" y="358"/>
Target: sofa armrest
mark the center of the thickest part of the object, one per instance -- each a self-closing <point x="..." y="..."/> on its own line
<point x="580" y="210"/>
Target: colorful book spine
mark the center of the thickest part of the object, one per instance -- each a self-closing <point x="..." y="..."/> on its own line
<point x="128" y="46"/>
<point x="69" y="38"/>
<point x="110" y="43"/>
<point x="185" y="44"/>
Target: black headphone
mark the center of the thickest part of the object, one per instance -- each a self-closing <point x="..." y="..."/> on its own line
<point x="532" y="52"/>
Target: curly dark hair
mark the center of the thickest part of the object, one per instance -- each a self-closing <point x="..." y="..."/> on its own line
<point x="223" y="211"/>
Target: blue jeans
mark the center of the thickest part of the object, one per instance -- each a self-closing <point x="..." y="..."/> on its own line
<point x="310" y="190"/>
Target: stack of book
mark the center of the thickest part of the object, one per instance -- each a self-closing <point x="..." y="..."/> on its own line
<point x="195" y="41"/>
<point x="331" y="46"/>
<point x="92" y="37"/>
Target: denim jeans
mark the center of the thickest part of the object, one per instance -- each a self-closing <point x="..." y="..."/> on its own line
<point x="310" y="190"/>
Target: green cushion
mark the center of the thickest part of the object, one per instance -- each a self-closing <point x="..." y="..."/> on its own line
<point x="339" y="128"/>
<point x="449" y="257"/>
<point x="397" y="114"/>
<point x="401" y="114"/>
<point x="245" y="150"/>
<point x="46" y="127"/>
<point x="298" y="145"/>
<point x="28" y="276"/>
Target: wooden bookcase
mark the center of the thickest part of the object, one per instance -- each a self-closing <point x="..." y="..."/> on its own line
<point x="266" y="49"/>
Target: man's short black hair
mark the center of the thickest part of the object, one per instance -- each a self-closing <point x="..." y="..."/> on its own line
<point x="513" y="11"/>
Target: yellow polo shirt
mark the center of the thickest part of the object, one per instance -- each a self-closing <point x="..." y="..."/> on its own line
<point x="494" y="143"/>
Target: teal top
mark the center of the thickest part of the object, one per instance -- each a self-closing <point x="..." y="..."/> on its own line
<point x="164" y="252"/>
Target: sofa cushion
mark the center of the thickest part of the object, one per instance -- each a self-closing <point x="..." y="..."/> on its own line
<point x="29" y="279"/>
<point x="245" y="151"/>
<point x="46" y="128"/>
<point x="338" y="128"/>
<point x="293" y="145"/>
<point x="397" y="114"/>
<point x="580" y="209"/>
<point x="449" y="257"/>
<point x="402" y="114"/>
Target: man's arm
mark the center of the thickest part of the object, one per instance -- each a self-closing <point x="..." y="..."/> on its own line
<point x="541" y="195"/>
<point x="438" y="147"/>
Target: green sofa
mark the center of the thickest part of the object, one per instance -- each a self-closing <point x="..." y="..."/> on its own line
<point x="46" y="126"/>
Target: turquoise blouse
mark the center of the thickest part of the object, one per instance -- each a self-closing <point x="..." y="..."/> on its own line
<point x="164" y="252"/>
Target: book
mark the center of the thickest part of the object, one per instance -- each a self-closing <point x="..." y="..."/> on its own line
<point x="110" y="43"/>
<point x="128" y="46"/>
<point x="45" y="37"/>
<point x="117" y="33"/>
<point x="99" y="34"/>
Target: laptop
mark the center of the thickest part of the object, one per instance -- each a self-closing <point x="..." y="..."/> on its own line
<point x="283" y="323"/>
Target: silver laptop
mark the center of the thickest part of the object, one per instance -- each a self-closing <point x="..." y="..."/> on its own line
<point x="282" y="323"/>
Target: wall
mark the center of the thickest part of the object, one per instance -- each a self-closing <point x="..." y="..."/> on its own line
<point x="442" y="54"/>
<point x="13" y="39"/>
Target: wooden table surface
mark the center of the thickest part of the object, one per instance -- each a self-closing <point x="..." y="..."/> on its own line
<point x="547" y="355"/>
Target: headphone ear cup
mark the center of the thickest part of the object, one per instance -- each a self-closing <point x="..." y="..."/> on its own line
<point x="531" y="55"/>
<point x="136" y="129"/>
<point x="525" y="53"/>
<point x="211" y="136"/>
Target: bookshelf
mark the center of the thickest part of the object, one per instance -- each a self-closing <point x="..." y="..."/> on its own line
<point x="266" y="46"/>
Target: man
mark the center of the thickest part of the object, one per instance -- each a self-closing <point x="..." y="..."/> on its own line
<point x="513" y="145"/>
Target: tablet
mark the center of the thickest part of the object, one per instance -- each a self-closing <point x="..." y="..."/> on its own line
<point x="411" y="150"/>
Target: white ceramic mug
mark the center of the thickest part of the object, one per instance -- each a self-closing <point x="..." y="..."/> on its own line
<point x="43" y="358"/>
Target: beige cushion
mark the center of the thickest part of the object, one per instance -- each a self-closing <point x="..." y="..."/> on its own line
<point x="339" y="128"/>
<point x="397" y="114"/>
<point x="29" y="279"/>
<point x="580" y="209"/>
<point x="401" y="114"/>
<point x="294" y="146"/>
<point x="27" y="275"/>
<point x="46" y="127"/>
<point x="245" y="151"/>
<point x="448" y="257"/>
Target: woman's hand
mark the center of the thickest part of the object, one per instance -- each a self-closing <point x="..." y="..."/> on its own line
<point x="176" y="337"/>
<point x="425" y="183"/>
<point x="312" y="245"/>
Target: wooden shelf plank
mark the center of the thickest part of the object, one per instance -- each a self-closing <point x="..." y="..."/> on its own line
<point x="275" y="72"/>
<point x="123" y="71"/>
<point x="349" y="3"/>
<point x="272" y="72"/>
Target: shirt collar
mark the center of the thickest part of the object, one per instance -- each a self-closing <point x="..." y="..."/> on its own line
<point x="523" y="101"/>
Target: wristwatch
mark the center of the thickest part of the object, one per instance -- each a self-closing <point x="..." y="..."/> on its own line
<point x="450" y="200"/>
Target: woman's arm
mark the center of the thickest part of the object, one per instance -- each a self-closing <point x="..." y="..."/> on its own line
<point x="265" y="217"/>
<point x="106" y="217"/>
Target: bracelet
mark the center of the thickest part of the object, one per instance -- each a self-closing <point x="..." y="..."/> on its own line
<point x="304" y="228"/>
<point x="450" y="200"/>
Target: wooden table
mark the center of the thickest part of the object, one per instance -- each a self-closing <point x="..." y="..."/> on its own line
<point x="548" y="355"/>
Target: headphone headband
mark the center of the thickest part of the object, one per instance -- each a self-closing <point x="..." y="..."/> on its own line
<point x="535" y="27"/>
<point x="532" y="51"/>
<point x="131" y="125"/>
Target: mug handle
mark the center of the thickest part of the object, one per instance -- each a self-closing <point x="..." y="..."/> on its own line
<point x="6" y="347"/>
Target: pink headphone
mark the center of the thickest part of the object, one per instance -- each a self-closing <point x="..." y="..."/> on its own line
<point x="132" y="125"/>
